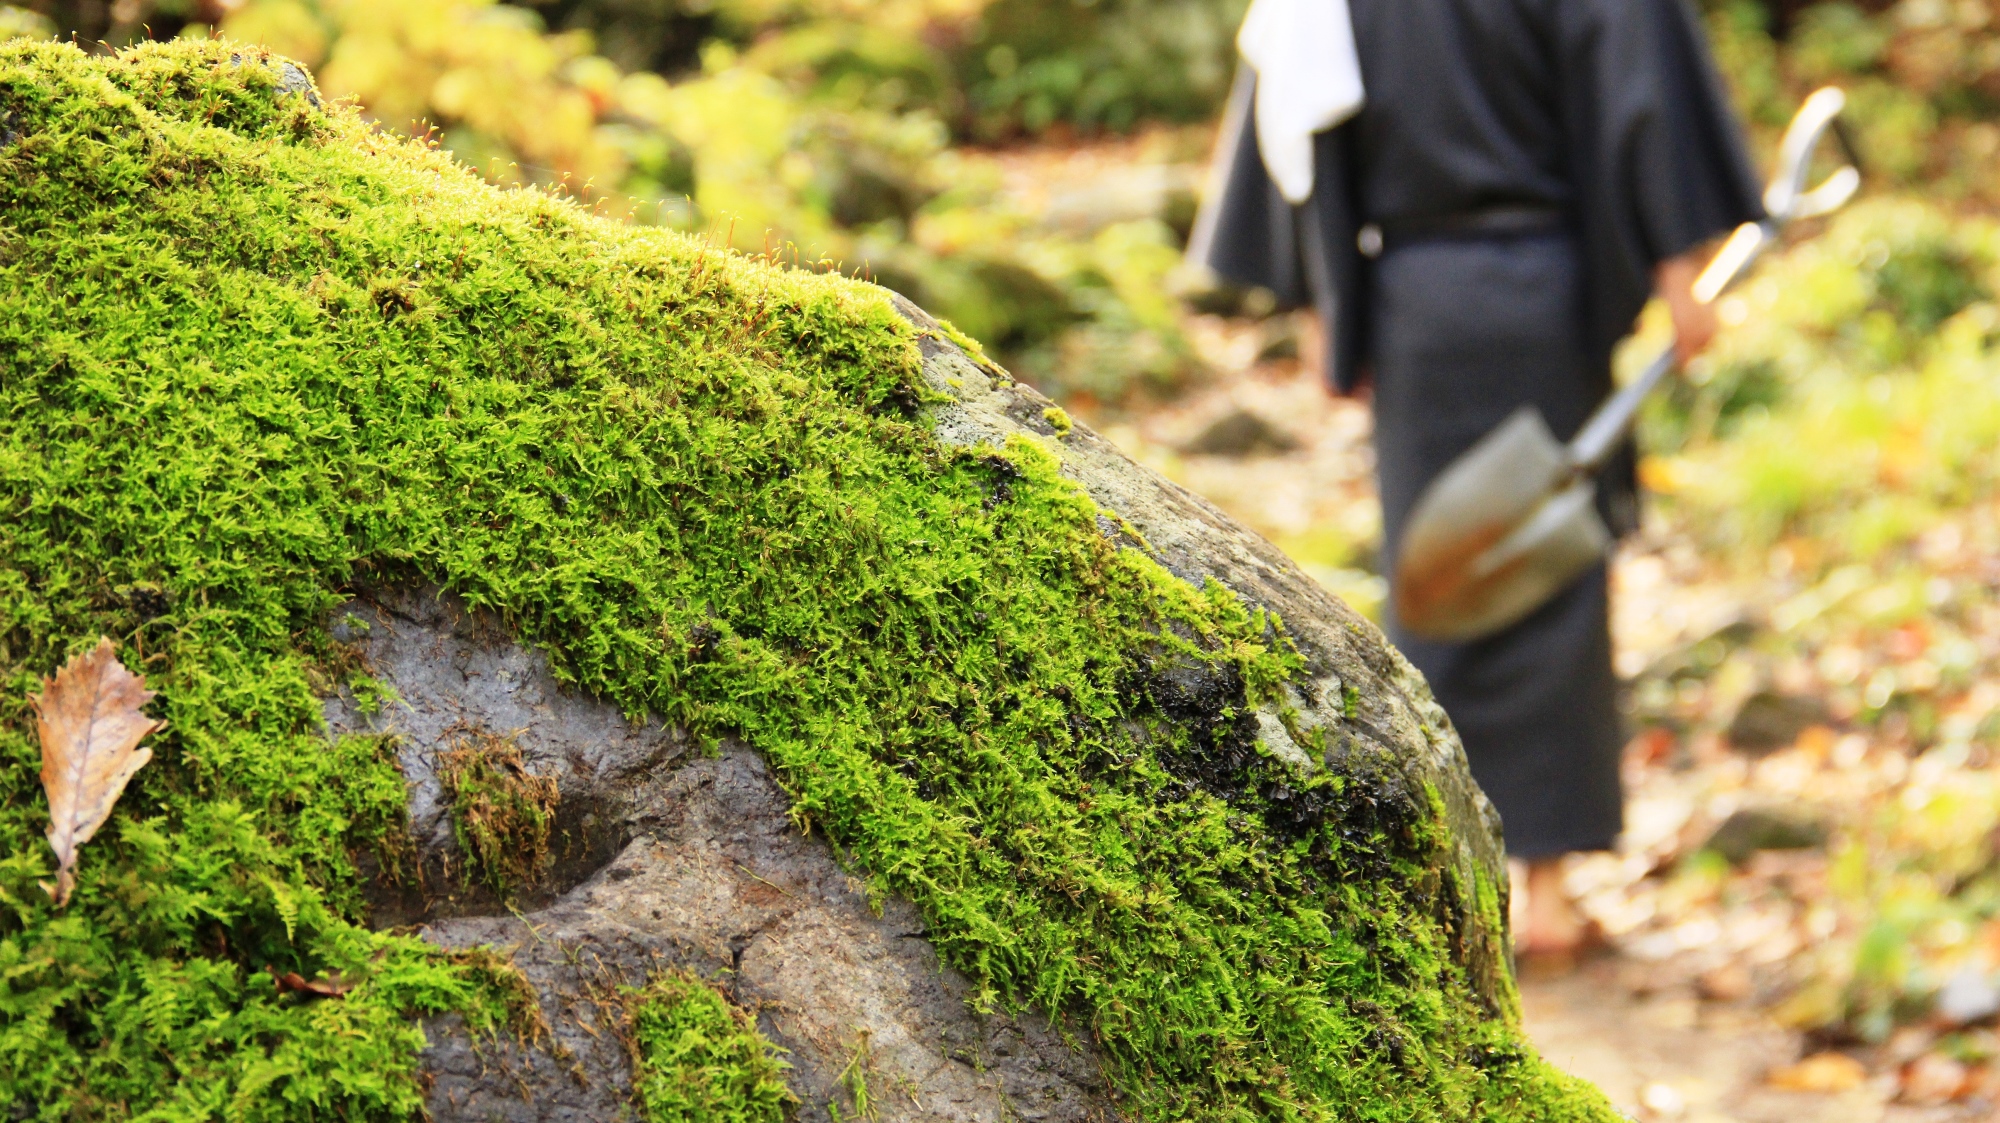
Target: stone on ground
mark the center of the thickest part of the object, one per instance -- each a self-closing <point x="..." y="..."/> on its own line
<point x="551" y="616"/>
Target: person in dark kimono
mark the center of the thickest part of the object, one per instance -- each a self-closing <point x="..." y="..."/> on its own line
<point x="1477" y="234"/>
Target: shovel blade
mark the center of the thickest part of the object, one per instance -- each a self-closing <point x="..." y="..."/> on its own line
<point x="1504" y="528"/>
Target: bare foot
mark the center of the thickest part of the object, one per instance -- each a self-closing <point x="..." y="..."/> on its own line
<point x="1546" y="923"/>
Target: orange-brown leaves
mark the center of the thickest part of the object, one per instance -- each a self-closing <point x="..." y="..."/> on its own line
<point x="91" y="726"/>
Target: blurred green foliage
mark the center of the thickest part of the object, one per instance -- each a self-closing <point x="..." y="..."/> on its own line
<point x="1923" y="78"/>
<point x="1028" y="64"/>
<point x="839" y="134"/>
<point x="1851" y="400"/>
<point x="1835" y="451"/>
<point x="817" y="132"/>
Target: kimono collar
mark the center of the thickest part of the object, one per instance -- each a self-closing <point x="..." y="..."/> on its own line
<point x="1308" y="80"/>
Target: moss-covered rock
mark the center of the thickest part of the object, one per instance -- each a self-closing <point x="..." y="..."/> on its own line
<point x="1127" y="766"/>
<point x="698" y="1058"/>
<point x="665" y="855"/>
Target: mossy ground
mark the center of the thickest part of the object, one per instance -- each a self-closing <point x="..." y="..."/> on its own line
<point x="698" y="1059"/>
<point x="254" y="355"/>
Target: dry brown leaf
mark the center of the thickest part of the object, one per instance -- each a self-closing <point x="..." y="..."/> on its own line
<point x="91" y="725"/>
<point x="326" y="986"/>
<point x="1821" y="1072"/>
<point x="1934" y="1079"/>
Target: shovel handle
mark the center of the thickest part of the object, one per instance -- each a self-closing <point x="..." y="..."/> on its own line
<point x="1786" y="199"/>
<point x="1594" y="442"/>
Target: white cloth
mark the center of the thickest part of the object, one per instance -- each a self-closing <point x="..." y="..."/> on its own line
<point x="1308" y="80"/>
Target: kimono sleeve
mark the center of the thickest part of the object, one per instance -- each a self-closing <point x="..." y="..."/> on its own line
<point x="1248" y="234"/>
<point x="1660" y="165"/>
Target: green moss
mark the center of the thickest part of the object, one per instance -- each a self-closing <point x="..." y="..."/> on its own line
<point x="853" y="1079"/>
<point x="508" y="1000"/>
<point x="699" y="1059"/>
<point x="972" y="348"/>
<point x="500" y="812"/>
<point x="254" y="355"/>
<point x="1058" y="418"/>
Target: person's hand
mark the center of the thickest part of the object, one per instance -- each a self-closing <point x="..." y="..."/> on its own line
<point x="1694" y="321"/>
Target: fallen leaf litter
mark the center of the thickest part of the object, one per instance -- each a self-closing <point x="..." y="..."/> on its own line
<point x="91" y="721"/>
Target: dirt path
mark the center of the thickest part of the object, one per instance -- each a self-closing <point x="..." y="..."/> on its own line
<point x="1669" y="1056"/>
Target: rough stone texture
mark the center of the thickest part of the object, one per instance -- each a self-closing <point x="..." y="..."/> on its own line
<point x="667" y="858"/>
<point x="706" y="871"/>
<point x="1396" y="724"/>
<point x="455" y="674"/>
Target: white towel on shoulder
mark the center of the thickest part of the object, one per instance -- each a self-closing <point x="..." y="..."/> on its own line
<point x="1308" y="80"/>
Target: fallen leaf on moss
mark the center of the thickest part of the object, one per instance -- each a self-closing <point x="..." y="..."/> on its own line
<point x="1821" y="1072"/>
<point x="90" y="722"/>
<point x="327" y="986"/>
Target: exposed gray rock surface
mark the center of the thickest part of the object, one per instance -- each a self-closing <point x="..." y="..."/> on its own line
<point x="1768" y="721"/>
<point x="457" y="674"/>
<point x="664" y="857"/>
<point x="1751" y="829"/>
<point x="1240" y="433"/>
<point x="700" y="868"/>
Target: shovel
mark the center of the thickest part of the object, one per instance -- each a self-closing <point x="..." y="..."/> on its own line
<point x="1513" y="521"/>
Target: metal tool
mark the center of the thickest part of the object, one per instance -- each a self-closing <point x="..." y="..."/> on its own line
<point x="1513" y="521"/>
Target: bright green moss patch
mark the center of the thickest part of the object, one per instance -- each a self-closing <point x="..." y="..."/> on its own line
<point x="508" y="1000"/>
<point x="500" y="812"/>
<point x="254" y="357"/>
<point x="699" y="1059"/>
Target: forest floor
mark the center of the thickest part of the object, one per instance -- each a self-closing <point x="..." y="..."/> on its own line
<point x="1685" y="1019"/>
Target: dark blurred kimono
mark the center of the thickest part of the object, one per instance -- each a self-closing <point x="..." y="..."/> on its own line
<point x="1479" y="236"/>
